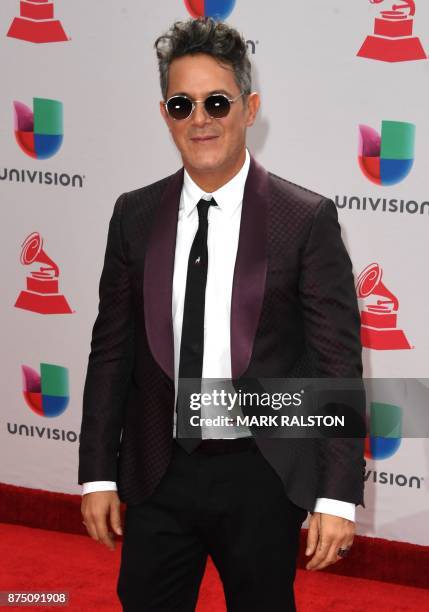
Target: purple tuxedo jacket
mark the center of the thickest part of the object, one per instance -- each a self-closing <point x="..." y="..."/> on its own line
<point x="294" y="313"/>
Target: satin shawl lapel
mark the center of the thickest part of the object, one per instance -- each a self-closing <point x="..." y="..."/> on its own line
<point x="249" y="273"/>
<point x="158" y="276"/>
<point x="250" y="268"/>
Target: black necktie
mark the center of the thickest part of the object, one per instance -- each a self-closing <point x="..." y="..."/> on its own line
<point x="192" y="341"/>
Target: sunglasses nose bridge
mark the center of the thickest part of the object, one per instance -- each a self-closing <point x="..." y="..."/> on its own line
<point x="199" y="112"/>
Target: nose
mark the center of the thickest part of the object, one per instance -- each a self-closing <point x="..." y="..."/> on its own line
<point x="200" y="116"/>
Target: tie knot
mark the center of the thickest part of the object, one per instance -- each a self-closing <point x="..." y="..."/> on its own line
<point x="203" y="208"/>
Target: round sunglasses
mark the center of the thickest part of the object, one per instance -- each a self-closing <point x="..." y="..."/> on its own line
<point x="216" y="105"/>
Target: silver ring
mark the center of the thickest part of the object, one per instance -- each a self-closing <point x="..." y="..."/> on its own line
<point x="343" y="552"/>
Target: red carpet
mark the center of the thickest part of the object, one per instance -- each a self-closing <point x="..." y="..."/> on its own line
<point x="373" y="558"/>
<point x="38" y="559"/>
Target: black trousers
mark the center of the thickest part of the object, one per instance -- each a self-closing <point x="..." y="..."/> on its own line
<point x="231" y="506"/>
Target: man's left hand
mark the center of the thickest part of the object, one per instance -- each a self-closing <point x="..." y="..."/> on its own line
<point x="326" y="534"/>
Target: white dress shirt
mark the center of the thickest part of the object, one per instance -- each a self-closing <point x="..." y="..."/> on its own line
<point x="222" y="244"/>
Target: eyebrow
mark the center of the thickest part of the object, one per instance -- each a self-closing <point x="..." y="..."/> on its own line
<point x="210" y="93"/>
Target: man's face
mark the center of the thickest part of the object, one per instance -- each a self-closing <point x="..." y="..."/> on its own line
<point x="207" y="144"/>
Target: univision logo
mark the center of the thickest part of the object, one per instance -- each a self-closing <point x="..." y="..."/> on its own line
<point x="384" y="431"/>
<point x="39" y="131"/>
<point x="47" y="393"/>
<point x="387" y="158"/>
<point x="218" y="9"/>
<point x="383" y="441"/>
<point x="42" y="432"/>
<point x="392" y="479"/>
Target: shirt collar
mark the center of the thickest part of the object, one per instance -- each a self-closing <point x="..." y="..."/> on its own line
<point x="228" y="197"/>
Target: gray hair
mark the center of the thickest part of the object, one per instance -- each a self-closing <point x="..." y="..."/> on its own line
<point x="204" y="35"/>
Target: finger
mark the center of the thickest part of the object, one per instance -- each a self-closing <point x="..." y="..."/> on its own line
<point x="313" y="534"/>
<point x="109" y="540"/>
<point x="87" y="519"/>
<point x="330" y="557"/>
<point x="322" y="550"/>
<point x="115" y="518"/>
<point x="104" y="536"/>
<point x="91" y="528"/>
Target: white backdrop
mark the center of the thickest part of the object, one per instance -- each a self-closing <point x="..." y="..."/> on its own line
<point x="315" y="93"/>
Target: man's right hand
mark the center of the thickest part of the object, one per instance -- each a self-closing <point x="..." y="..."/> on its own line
<point x="99" y="510"/>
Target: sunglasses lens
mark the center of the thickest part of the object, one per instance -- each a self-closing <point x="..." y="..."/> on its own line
<point x="179" y="107"/>
<point x="217" y="106"/>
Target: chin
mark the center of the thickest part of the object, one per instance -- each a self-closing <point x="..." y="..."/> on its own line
<point x="206" y="162"/>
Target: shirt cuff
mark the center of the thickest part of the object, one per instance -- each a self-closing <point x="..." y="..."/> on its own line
<point x="336" y="507"/>
<point x="98" y="485"/>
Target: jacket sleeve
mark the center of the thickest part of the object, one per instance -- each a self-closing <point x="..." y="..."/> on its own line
<point x="110" y="361"/>
<point x="332" y="329"/>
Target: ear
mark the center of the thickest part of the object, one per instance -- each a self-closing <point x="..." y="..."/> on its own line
<point x="253" y="104"/>
<point x="164" y="113"/>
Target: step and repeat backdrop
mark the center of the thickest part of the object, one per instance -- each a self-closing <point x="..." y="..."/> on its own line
<point x="344" y="89"/>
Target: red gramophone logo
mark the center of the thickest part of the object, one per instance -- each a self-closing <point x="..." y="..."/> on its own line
<point x="42" y="293"/>
<point x="379" y="316"/>
<point x="36" y="23"/>
<point x="393" y="39"/>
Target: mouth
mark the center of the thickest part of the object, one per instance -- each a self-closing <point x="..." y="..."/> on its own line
<point x="201" y="139"/>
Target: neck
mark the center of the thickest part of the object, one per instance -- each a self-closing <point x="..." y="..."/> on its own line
<point x="210" y="181"/>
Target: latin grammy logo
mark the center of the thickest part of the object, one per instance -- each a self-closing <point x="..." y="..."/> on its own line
<point x="42" y="293"/>
<point x="393" y="39"/>
<point x="36" y="23"/>
<point x="379" y="320"/>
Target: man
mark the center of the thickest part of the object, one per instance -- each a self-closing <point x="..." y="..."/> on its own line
<point x="221" y="270"/>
